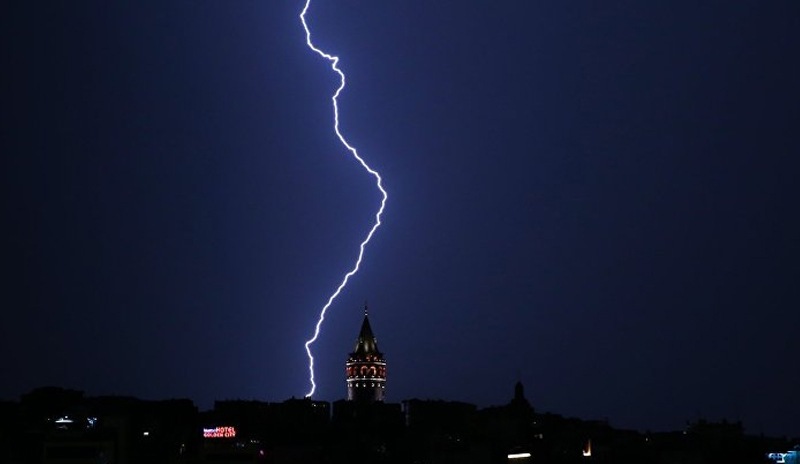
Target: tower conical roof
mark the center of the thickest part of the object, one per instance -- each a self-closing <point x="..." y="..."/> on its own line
<point x="366" y="343"/>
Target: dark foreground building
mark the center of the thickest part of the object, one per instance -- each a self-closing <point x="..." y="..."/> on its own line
<point x="59" y="426"/>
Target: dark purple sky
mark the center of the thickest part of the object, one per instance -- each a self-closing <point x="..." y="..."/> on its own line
<point x="597" y="198"/>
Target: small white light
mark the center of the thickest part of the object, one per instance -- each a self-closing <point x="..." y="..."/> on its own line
<point x="519" y="455"/>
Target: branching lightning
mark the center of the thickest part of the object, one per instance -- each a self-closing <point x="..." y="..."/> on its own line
<point x="378" y="181"/>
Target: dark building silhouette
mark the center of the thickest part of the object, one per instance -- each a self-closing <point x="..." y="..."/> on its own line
<point x="439" y="431"/>
<point x="366" y="367"/>
<point x="293" y="431"/>
<point x="52" y="425"/>
<point x="61" y="426"/>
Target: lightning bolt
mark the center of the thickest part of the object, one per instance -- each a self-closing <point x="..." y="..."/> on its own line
<point x="334" y="60"/>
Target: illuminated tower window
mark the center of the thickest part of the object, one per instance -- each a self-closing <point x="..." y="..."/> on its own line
<point x="366" y="367"/>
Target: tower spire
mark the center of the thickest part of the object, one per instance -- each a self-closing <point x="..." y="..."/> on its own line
<point x="366" y="366"/>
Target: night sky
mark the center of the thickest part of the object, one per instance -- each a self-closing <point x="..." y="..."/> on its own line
<point x="596" y="198"/>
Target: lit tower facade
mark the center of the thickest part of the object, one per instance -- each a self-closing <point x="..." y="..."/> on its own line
<point x="366" y="367"/>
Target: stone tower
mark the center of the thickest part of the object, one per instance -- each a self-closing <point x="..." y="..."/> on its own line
<point x="366" y="367"/>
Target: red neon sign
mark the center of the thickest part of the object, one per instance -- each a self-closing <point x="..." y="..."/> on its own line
<point x="219" y="432"/>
